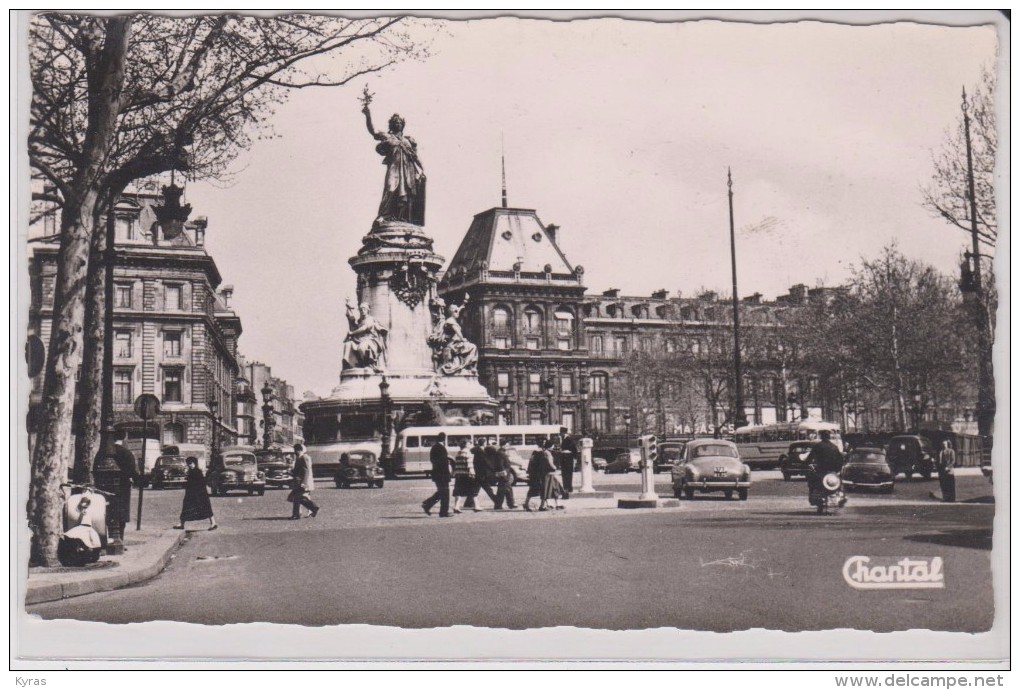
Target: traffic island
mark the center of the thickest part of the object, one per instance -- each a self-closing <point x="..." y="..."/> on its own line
<point x="647" y="502"/>
<point x="592" y="494"/>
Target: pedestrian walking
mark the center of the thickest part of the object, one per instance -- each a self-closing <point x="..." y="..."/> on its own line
<point x="196" y="497"/>
<point x="504" y="475"/>
<point x="568" y="458"/>
<point x="947" y="480"/>
<point x="484" y="459"/>
<point x="440" y="475"/>
<point x="302" y="483"/>
<point x="464" y="484"/>
<point x="553" y="489"/>
<point x="537" y="469"/>
<point x="118" y="510"/>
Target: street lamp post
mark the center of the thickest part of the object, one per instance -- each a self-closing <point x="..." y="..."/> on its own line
<point x="739" y="416"/>
<point x="505" y="408"/>
<point x="214" y="408"/>
<point x="626" y="422"/>
<point x="791" y="400"/>
<point x="915" y="396"/>
<point x="268" y="418"/>
<point x="550" y="391"/>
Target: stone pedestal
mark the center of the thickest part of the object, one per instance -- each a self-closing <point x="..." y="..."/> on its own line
<point x="397" y="270"/>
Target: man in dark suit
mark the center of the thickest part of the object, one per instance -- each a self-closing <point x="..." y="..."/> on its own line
<point x="568" y="457"/>
<point x="485" y="469"/>
<point x="440" y="459"/>
<point x="501" y="461"/>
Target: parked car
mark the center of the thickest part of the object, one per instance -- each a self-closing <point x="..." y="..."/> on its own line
<point x="793" y="462"/>
<point x="867" y="468"/>
<point x="518" y="467"/>
<point x="236" y="469"/>
<point x="276" y="466"/>
<point x="669" y="455"/>
<point x="711" y="465"/>
<point x="909" y="455"/>
<point x="169" y="470"/>
<point x="625" y="461"/>
<point x="358" y="466"/>
<point x="599" y="464"/>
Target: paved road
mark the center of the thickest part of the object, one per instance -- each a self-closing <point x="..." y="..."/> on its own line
<point x="373" y="557"/>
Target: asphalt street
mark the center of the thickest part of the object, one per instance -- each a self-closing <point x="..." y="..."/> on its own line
<point x="373" y="557"/>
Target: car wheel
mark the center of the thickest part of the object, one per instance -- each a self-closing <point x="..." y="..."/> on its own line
<point x="251" y="492"/>
<point x="339" y="484"/>
<point x="688" y="493"/>
<point x="820" y="509"/>
<point x="742" y="494"/>
<point x="787" y="476"/>
<point x="262" y="492"/>
<point x="379" y="484"/>
<point x="926" y="475"/>
<point x="728" y="493"/>
<point x="677" y="493"/>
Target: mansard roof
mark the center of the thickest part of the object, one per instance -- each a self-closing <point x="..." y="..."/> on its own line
<point x="511" y="240"/>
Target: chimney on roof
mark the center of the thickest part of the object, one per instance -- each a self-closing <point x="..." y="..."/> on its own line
<point x="611" y="292"/>
<point x="753" y="299"/>
<point x="552" y="231"/>
<point x="226" y="292"/>
<point x="660" y="294"/>
<point x="798" y="293"/>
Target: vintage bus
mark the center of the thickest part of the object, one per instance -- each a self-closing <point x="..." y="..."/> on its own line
<point x="413" y="444"/>
<point x="763" y="446"/>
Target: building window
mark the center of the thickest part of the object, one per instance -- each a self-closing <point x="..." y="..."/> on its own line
<point x="172" y="343"/>
<point x="122" y="344"/>
<point x="122" y="296"/>
<point x="122" y="387"/>
<point x="501" y="342"/>
<point x="563" y="344"/>
<point x="532" y="321"/>
<point x="567" y="420"/>
<point x="564" y="322"/>
<point x="531" y="343"/>
<point x="172" y="385"/>
<point x="566" y="384"/>
<point x="535" y="417"/>
<point x="621" y="345"/>
<point x="173" y="434"/>
<point x="534" y="384"/>
<point x="125" y="228"/>
<point x="599" y="420"/>
<point x="670" y="345"/>
<point x="599" y="385"/>
<point x="596" y="343"/>
<point x="503" y="383"/>
<point x="646" y="344"/>
<point x="174" y="295"/>
<point x="501" y="320"/>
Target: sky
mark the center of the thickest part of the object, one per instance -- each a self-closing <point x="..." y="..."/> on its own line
<point x="621" y="132"/>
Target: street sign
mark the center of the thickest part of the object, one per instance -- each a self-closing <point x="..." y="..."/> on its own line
<point x="146" y="406"/>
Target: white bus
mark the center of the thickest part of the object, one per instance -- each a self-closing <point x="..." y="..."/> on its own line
<point x="413" y="444"/>
<point x="764" y="445"/>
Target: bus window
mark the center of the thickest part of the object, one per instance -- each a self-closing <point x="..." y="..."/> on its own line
<point x="428" y="441"/>
<point x="490" y="439"/>
<point x="535" y="439"/>
<point x="512" y="439"/>
<point x="454" y="441"/>
<point x="412" y="441"/>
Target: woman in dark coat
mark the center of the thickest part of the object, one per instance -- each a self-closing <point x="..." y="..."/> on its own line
<point x="538" y="469"/>
<point x="196" y="497"/>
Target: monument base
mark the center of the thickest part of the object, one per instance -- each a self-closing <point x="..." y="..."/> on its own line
<point x="648" y="503"/>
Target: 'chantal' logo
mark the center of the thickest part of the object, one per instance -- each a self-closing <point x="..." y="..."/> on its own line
<point x="862" y="572"/>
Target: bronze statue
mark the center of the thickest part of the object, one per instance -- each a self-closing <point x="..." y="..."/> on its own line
<point x="403" y="197"/>
<point x="365" y="344"/>
<point x="452" y="352"/>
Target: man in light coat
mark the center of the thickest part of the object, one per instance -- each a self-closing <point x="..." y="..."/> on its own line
<point x="302" y="484"/>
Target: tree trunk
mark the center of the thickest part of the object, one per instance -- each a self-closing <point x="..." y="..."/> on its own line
<point x="54" y="447"/>
<point x="105" y="65"/>
<point x="90" y="383"/>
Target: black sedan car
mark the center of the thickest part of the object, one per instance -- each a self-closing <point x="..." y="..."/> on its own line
<point x="794" y="462"/>
<point x="867" y="468"/>
<point x="276" y="466"/>
<point x="359" y="466"/>
<point x="669" y="455"/>
<point x="910" y="455"/>
<point x="169" y="470"/>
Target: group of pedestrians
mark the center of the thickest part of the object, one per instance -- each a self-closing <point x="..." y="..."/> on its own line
<point x="484" y="466"/>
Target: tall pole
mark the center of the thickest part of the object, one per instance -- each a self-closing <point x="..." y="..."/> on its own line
<point x="986" y="382"/>
<point x="739" y="418"/>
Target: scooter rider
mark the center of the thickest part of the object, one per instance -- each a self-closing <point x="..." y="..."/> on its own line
<point x="824" y="458"/>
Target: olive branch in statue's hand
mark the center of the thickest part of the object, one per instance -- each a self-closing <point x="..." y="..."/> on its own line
<point x="366" y="99"/>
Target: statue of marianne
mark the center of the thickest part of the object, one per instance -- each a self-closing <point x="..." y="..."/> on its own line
<point x="403" y="197"/>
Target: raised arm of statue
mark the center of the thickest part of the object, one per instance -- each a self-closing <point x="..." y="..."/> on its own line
<point x="368" y="122"/>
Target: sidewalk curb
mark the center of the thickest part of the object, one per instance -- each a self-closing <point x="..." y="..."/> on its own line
<point x="56" y="586"/>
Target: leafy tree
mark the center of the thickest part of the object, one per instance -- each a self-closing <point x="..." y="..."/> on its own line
<point x="116" y="99"/>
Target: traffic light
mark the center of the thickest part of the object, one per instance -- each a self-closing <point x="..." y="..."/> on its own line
<point x="649" y="450"/>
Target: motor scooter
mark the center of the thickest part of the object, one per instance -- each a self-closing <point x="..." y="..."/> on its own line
<point x="84" y="534"/>
<point x="827" y="494"/>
